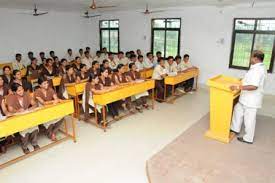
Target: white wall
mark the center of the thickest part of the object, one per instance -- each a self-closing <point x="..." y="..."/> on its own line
<point x="55" y="31"/>
<point x="202" y="27"/>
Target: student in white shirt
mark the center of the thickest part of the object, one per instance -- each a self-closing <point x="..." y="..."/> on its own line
<point x="52" y="54"/>
<point x="158" y="55"/>
<point x="139" y="52"/>
<point x="17" y="64"/>
<point x="159" y="74"/>
<point x="122" y="59"/>
<point x="69" y="56"/>
<point x="112" y="62"/>
<point x="252" y="90"/>
<point x="104" y="53"/>
<point x="30" y="57"/>
<point x="87" y="60"/>
<point x="180" y="66"/>
<point x="81" y="53"/>
<point x="187" y="64"/>
<point x="89" y="50"/>
<point x="98" y="57"/>
<point x="42" y="57"/>
<point x="139" y="63"/>
<point x="171" y="66"/>
<point x="149" y="60"/>
<point x="133" y="58"/>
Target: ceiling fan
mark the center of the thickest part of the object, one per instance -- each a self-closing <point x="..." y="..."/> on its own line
<point x="147" y="11"/>
<point x="94" y="6"/>
<point x="35" y="12"/>
<point x="253" y="3"/>
<point x="86" y="15"/>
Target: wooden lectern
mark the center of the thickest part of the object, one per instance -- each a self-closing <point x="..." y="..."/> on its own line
<point x="222" y="101"/>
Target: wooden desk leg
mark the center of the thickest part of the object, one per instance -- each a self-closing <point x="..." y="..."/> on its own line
<point x="173" y="90"/>
<point x="74" y="130"/>
<point x="153" y="98"/>
<point x="95" y="109"/>
<point x="77" y="106"/>
<point x="164" y="92"/>
<point x="197" y="78"/>
<point x="104" y="118"/>
<point x="66" y="127"/>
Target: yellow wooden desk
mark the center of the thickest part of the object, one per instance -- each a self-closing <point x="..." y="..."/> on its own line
<point x="74" y="90"/>
<point x="179" y="78"/>
<point x="222" y="101"/>
<point x="122" y="93"/>
<point x="2" y="65"/>
<point x="23" y="72"/>
<point x="146" y="73"/>
<point x="34" y="118"/>
<point x="56" y="81"/>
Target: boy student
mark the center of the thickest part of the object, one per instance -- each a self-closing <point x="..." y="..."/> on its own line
<point x="139" y="63"/>
<point x="251" y="98"/>
<point x="180" y="66"/>
<point x="98" y="57"/>
<point x="133" y="58"/>
<point x="52" y="54"/>
<point x="18" y="63"/>
<point x="69" y="56"/>
<point x="81" y="53"/>
<point x="42" y="56"/>
<point x="87" y="60"/>
<point x="189" y="83"/>
<point x="149" y="60"/>
<point x="121" y="59"/>
<point x="30" y="56"/>
<point x="21" y="101"/>
<point x="46" y="95"/>
<point x="113" y="63"/>
<point x="159" y="74"/>
<point x="171" y="66"/>
<point x="158" y="55"/>
<point x="139" y="52"/>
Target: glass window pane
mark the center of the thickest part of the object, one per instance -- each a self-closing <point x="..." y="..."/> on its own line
<point x="242" y="50"/>
<point x="172" y="43"/>
<point x="105" y="39"/>
<point x="104" y="24"/>
<point x="159" y="23"/>
<point x="114" y="41"/>
<point x="114" y="24"/>
<point x="266" y="25"/>
<point x="244" y="24"/>
<point x="173" y="23"/>
<point x="264" y="42"/>
<point x="159" y="37"/>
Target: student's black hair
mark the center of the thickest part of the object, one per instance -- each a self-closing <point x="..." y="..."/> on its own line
<point x="14" y="72"/>
<point x="104" y="61"/>
<point x="63" y="60"/>
<point x="86" y="52"/>
<point x="82" y="66"/>
<point x="18" y="55"/>
<point x="170" y="57"/>
<point x="258" y="54"/>
<point x="98" y="52"/>
<point x="77" y="57"/>
<point x="160" y="59"/>
<point x="158" y="52"/>
<point x="94" y="62"/>
<point x="69" y="49"/>
<point x="121" y="52"/>
<point x="80" y="50"/>
<point x="6" y="66"/>
<point x="92" y="76"/>
<point x="147" y="54"/>
<point x="133" y="56"/>
<point x="55" y="57"/>
<point x="178" y="57"/>
<point x="104" y="48"/>
<point x="41" y="79"/>
<point x="42" y="53"/>
<point x="30" y="53"/>
<point x="103" y="69"/>
<point x="131" y="65"/>
<point x="68" y="67"/>
<point x="33" y="59"/>
<point x="88" y="48"/>
<point x="51" y="52"/>
<point x="186" y="55"/>
<point x="15" y="86"/>
<point x="119" y="66"/>
<point x="48" y="60"/>
<point x="140" y="56"/>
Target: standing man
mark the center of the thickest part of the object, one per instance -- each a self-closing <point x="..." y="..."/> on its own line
<point x="252" y="89"/>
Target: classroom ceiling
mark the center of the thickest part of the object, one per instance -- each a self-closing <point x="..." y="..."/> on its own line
<point x="82" y="5"/>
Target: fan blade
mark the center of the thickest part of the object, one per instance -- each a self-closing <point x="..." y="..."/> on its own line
<point x="105" y="6"/>
<point x="42" y="13"/>
<point x="157" y="11"/>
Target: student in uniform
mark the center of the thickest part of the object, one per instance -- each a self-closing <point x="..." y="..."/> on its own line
<point x="45" y="95"/>
<point x="77" y="64"/>
<point x="33" y="69"/>
<point x="149" y="61"/>
<point x="106" y="65"/>
<point x="95" y="69"/>
<point x="133" y="58"/>
<point x="121" y="59"/>
<point x="158" y="55"/>
<point x="251" y="98"/>
<point x="5" y="141"/>
<point x="189" y="83"/>
<point x="56" y="62"/>
<point x="4" y="88"/>
<point x="42" y="56"/>
<point x="171" y="66"/>
<point x="52" y="54"/>
<point x="104" y="53"/>
<point x="7" y="75"/>
<point x="18" y="63"/>
<point x="30" y="56"/>
<point x="68" y="78"/>
<point x="62" y="67"/>
<point x="180" y="66"/>
<point x="88" y="49"/>
<point x="98" y="57"/>
<point x="112" y="62"/>
<point x="159" y="74"/>
<point x="69" y="56"/>
<point x="17" y="78"/>
<point x="81" y="53"/>
<point x="87" y="60"/>
<point x="83" y="73"/>
<point x="141" y="99"/>
<point x="107" y="82"/>
<point x="49" y="70"/>
<point x="119" y="78"/>
<point x="139" y="52"/>
<point x="139" y="63"/>
<point x="21" y="101"/>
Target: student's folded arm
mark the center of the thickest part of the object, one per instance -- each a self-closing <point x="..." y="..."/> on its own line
<point x="249" y="87"/>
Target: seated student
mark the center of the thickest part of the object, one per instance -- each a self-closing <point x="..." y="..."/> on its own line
<point x="83" y="73"/>
<point x="158" y="55"/>
<point x="139" y="63"/>
<point x="33" y="69"/>
<point x="62" y="67"/>
<point x="17" y="78"/>
<point x="121" y="59"/>
<point x="180" y="66"/>
<point x="18" y="102"/>
<point x="106" y="65"/>
<point x="189" y="83"/>
<point x="128" y="54"/>
<point x="49" y="70"/>
<point x="87" y="60"/>
<point x="104" y="53"/>
<point x="95" y="69"/>
<point x="69" y="56"/>
<point x="52" y="54"/>
<point x="133" y="58"/>
<point x="159" y="74"/>
<point x="120" y="78"/>
<point x="112" y="62"/>
<point x="18" y="63"/>
<point x="88" y="49"/>
<point x="106" y="81"/>
<point x="149" y="61"/>
<point x="68" y="78"/>
<point x="56" y="62"/>
<point x="5" y="141"/>
<point x="4" y="88"/>
<point x="46" y="95"/>
<point x="7" y="75"/>
<point x="76" y="65"/>
<point x="139" y="52"/>
<point x="42" y="57"/>
<point x="98" y="57"/>
<point x="171" y="66"/>
<point x="141" y="99"/>
<point x="81" y="53"/>
<point x="30" y="56"/>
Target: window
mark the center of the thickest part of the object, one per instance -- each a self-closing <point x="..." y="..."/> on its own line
<point x="109" y="35"/>
<point x="166" y="36"/>
<point x="252" y="34"/>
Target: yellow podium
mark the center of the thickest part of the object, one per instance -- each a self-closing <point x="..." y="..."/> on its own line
<point x="222" y="101"/>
